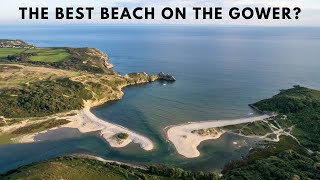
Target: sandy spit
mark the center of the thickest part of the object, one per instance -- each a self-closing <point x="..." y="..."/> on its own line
<point x="86" y="122"/>
<point x="186" y="143"/>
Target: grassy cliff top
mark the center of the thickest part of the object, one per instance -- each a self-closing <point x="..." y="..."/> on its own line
<point x="78" y="59"/>
<point x="288" y="158"/>
<point x="292" y="100"/>
<point x="7" y="43"/>
<point x="302" y="106"/>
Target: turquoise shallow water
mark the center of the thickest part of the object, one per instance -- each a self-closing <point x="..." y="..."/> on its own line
<point x="219" y="70"/>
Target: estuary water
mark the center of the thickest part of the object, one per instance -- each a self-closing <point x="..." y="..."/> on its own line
<point x="219" y="70"/>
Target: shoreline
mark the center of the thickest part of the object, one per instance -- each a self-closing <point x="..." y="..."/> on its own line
<point x="186" y="143"/>
<point x="101" y="159"/>
<point x="85" y="121"/>
<point x="88" y="122"/>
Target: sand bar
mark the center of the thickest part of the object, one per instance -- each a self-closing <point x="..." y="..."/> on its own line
<point x="186" y="143"/>
<point x="86" y="121"/>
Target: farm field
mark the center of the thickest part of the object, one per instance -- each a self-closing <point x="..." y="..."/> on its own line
<point x="4" y="52"/>
<point x="39" y="54"/>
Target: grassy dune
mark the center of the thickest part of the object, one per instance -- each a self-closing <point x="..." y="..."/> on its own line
<point x="28" y="92"/>
<point x="43" y="98"/>
<point x="13" y="76"/>
<point x="259" y="128"/>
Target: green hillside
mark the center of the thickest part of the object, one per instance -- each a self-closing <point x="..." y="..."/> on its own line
<point x="76" y="168"/>
<point x="289" y="158"/>
<point x="302" y="107"/>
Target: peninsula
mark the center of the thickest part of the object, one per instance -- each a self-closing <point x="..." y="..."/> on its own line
<point x="283" y="114"/>
<point x="49" y="88"/>
<point x="187" y="137"/>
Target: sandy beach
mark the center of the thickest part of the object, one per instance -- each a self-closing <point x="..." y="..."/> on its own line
<point x="85" y="121"/>
<point x="186" y="143"/>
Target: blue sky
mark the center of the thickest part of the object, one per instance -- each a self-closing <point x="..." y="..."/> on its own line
<point x="310" y="15"/>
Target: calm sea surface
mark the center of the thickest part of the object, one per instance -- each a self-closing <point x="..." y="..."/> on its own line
<point x="219" y="71"/>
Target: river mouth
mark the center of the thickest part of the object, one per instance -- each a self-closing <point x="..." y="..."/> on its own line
<point x="214" y="153"/>
<point x="219" y="71"/>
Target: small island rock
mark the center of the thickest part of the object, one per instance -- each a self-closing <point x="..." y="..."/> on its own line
<point x="166" y="77"/>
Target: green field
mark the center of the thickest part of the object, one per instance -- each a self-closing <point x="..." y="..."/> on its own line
<point x="42" y="54"/>
<point x="4" y="52"/>
<point x="78" y="59"/>
<point x="49" y="54"/>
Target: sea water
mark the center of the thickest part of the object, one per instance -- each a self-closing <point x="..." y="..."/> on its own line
<point x="219" y="70"/>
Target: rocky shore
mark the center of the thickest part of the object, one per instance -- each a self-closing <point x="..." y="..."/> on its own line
<point x="166" y="77"/>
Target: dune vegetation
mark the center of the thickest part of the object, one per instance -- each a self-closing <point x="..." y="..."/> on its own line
<point x="38" y="85"/>
<point x="289" y="158"/>
<point x="302" y="107"/>
<point x="74" y="168"/>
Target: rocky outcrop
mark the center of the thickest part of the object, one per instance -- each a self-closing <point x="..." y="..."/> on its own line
<point x="142" y="77"/>
<point x="98" y="58"/>
<point x="6" y="43"/>
<point x="166" y="77"/>
<point x="137" y="78"/>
